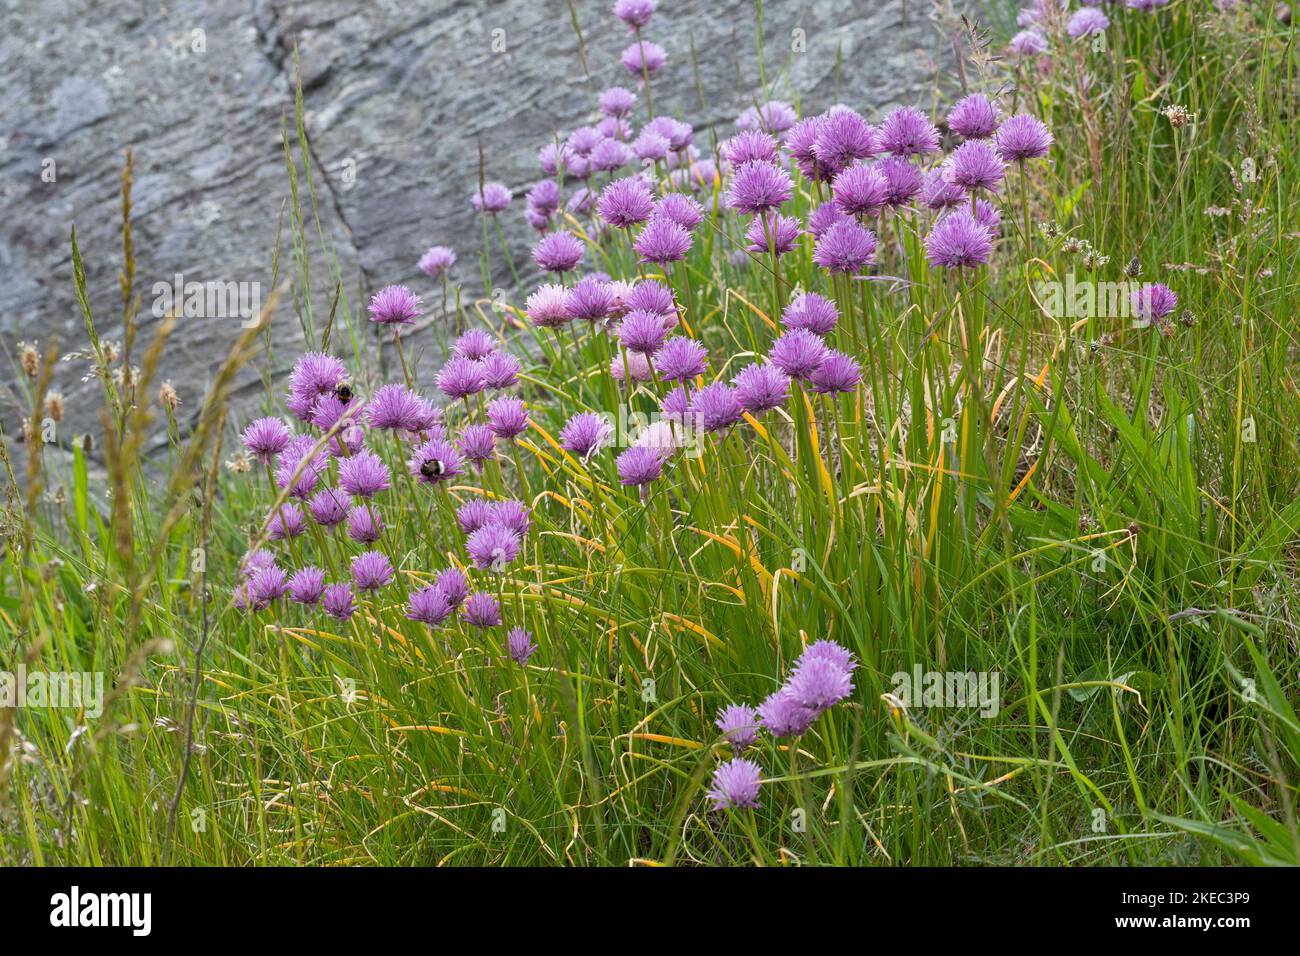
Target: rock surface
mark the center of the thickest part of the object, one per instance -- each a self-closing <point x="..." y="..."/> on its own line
<point x="399" y="97"/>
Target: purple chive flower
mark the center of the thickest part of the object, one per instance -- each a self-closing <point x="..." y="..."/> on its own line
<point x="958" y="241"/>
<point x="1023" y="137"/>
<point x="827" y="650"/>
<point x="1145" y="4"/>
<point x="781" y="232"/>
<point x="908" y="132"/>
<point x="559" y="252"/>
<point x="474" y="514"/>
<point x="824" y="216"/>
<point x="681" y="359"/>
<point x="265" y="586"/>
<point x="1028" y="43"/>
<point x="265" y="438"/>
<point x="798" y="353"/>
<point x="328" y="507"/>
<point x="609" y="156"/>
<point x="297" y="460"/>
<point x="635" y="13"/>
<point x="491" y="199"/>
<point x="837" y="373"/>
<point x="659" y="436"/>
<point x="461" y="377"/>
<point x="545" y="196"/>
<point x="736" y="784"/>
<point x="307" y="585"/>
<point x="651" y="147"/>
<point x="583" y="140"/>
<point x="774" y="116"/>
<point x="842" y="137"/>
<point x="338" y="602"/>
<point x="662" y="241"/>
<point x="975" y="165"/>
<point x="845" y="247"/>
<point x="987" y="215"/>
<point x="819" y="684"/>
<point x="394" y="305"/>
<point x="363" y="475"/>
<point x="811" y="311"/>
<point x="477" y="443"/>
<point x="507" y="417"/>
<point x="429" y="605"/>
<point x="617" y="101"/>
<point x="639" y="466"/>
<point x="902" y="178"/>
<point x="784" y="716"/>
<point x="975" y="117"/>
<point x="1153" y="301"/>
<point x="435" y="461"/>
<point x="482" y="610"/>
<point x="938" y="193"/>
<point x="287" y="521"/>
<point x="761" y="387"/>
<point x="614" y="127"/>
<point x="591" y="299"/>
<point x="585" y="433"/>
<point x="519" y="645"/>
<point x="255" y="561"/>
<point x="651" y="296"/>
<point x="630" y="364"/>
<point x="365" y="524"/>
<point x="547" y="307"/>
<point x="681" y="209"/>
<point x="314" y="375"/>
<point x="676" y="405"/>
<point x="501" y="370"/>
<point x="1087" y="21"/>
<point x="428" y="418"/>
<point x="801" y="140"/>
<point x="678" y="134"/>
<point x="739" y="725"/>
<point x="551" y="158"/>
<point x="511" y="514"/>
<point x="750" y="146"/>
<point x="492" y="547"/>
<point x="397" y="408"/>
<point x="453" y="584"/>
<point x="759" y="186"/>
<point x="860" y="190"/>
<point x="716" y="407"/>
<point x="644" y="58"/>
<point x="642" y="331"/>
<point x="329" y="412"/>
<point x="371" y="570"/>
<point x="475" y="344"/>
<point x="437" y="261"/>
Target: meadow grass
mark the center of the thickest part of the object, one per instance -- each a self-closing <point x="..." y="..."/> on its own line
<point x="1103" y="515"/>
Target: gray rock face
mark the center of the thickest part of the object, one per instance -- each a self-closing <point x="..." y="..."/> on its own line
<point x="399" y="97"/>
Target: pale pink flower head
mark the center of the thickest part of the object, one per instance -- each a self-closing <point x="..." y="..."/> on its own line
<point x="394" y="305"/>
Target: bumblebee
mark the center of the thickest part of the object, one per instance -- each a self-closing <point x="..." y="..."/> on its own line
<point x="343" y="392"/>
<point x="433" y="468"/>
